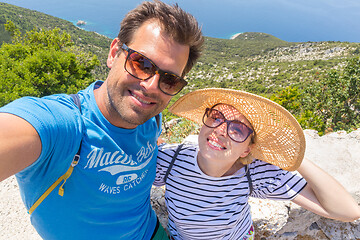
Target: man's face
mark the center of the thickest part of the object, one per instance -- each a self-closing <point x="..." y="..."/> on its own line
<point x="132" y="101"/>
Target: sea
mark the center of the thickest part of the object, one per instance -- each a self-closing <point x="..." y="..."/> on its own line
<point x="104" y="16"/>
<point x="292" y="21"/>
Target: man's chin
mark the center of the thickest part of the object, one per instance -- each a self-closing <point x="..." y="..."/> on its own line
<point x="136" y="119"/>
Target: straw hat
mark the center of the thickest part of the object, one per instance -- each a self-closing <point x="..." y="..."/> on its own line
<point x="279" y="138"/>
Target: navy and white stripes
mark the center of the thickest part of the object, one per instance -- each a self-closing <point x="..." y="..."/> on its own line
<point x="205" y="207"/>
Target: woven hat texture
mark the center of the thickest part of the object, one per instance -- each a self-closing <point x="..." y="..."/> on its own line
<point x="279" y="137"/>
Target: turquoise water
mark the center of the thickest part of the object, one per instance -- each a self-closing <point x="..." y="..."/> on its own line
<point x="294" y="21"/>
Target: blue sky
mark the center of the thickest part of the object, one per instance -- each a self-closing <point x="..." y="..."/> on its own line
<point x="290" y="20"/>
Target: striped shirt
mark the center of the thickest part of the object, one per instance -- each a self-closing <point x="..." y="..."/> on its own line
<point x="205" y="207"/>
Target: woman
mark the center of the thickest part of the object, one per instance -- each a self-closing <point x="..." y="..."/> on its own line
<point x="247" y="147"/>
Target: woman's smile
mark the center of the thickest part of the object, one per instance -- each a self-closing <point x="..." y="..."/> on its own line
<point x="214" y="144"/>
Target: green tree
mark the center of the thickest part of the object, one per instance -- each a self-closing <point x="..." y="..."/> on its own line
<point x="289" y="98"/>
<point x="39" y="63"/>
<point x="336" y="98"/>
<point x="331" y="103"/>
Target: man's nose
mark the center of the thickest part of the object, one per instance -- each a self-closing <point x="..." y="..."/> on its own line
<point x="151" y="84"/>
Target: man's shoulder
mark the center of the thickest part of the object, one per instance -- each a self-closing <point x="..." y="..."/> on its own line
<point x="47" y="114"/>
<point x="34" y="105"/>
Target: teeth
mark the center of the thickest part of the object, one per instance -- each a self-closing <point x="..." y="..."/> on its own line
<point x="140" y="100"/>
<point x="215" y="144"/>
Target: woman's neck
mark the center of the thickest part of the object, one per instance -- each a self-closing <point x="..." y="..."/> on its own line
<point x="234" y="168"/>
<point x="214" y="169"/>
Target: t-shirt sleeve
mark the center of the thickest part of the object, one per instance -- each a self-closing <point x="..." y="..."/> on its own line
<point x="58" y="123"/>
<point x="271" y="182"/>
<point x="165" y="155"/>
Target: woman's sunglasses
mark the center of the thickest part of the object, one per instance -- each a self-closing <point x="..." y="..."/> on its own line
<point x="141" y="67"/>
<point x="236" y="130"/>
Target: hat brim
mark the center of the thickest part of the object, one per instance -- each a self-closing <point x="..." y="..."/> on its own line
<point x="279" y="137"/>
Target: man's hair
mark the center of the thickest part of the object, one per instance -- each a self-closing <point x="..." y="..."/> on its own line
<point x="181" y="26"/>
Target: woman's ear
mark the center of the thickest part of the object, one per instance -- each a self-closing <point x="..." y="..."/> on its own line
<point x="114" y="49"/>
<point x="247" y="151"/>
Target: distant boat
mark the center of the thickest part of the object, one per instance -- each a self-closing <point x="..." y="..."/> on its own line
<point x="80" y="23"/>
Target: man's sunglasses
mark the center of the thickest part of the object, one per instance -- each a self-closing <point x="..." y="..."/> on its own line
<point x="236" y="130"/>
<point x="141" y="67"/>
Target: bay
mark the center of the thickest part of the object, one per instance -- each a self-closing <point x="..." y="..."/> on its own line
<point x="295" y="21"/>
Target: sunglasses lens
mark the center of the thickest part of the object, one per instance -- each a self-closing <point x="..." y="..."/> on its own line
<point x="238" y="131"/>
<point x="139" y="66"/>
<point x="213" y="118"/>
<point x="171" y="84"/>
<point x="142" y="68"/>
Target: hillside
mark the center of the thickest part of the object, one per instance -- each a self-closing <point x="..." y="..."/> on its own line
<point x="267" y="65"/>
<point x="255" y="36"/>
<point x="240" y="48"/>
<point x="256" y="62"/>
<point x="26" y="19"/>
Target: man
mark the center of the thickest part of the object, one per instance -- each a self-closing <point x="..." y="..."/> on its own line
<point x="107" y="194"/>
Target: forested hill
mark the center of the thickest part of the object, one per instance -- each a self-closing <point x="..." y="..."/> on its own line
<point x="313" y="80"/>
<point x="267" y="62"/>
<point x="26" y="19"/>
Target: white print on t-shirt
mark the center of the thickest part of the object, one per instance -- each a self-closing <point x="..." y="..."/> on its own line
<point x="127" y="185"/>
<point x="97" y="157"/>
<point x="118" y="162"/>
<point x="115" y="169"/>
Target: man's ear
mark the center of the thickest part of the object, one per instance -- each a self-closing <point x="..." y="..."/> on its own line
<point x="114" y="48"/>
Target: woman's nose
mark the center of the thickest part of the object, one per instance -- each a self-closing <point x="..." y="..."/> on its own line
<point x="222" y="129"/>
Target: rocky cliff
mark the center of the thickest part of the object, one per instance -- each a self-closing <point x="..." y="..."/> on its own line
<point x="338" y="153"/>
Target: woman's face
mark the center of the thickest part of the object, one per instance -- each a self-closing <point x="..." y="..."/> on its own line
<point x="215" y="143"/>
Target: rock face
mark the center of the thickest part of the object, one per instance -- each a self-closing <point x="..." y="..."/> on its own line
<point x="337" y="153"/>
<point x="306" y="51"/>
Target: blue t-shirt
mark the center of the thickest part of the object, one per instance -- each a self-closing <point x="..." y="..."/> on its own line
<point x="108" y="194"/>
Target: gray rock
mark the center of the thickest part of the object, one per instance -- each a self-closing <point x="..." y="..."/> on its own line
<point x="337" y="153"/>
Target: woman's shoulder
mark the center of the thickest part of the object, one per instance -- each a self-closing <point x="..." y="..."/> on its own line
<point x="168" y="151"/>
<point x="172" y="147"/>
<point x="259" y="164"/>
<point x="261" y="168"/>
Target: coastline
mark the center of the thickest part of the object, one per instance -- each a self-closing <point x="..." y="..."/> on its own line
<point x="235" y="35"/>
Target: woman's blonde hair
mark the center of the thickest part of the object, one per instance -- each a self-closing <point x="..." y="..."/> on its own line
<point x="249" y="158"/>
